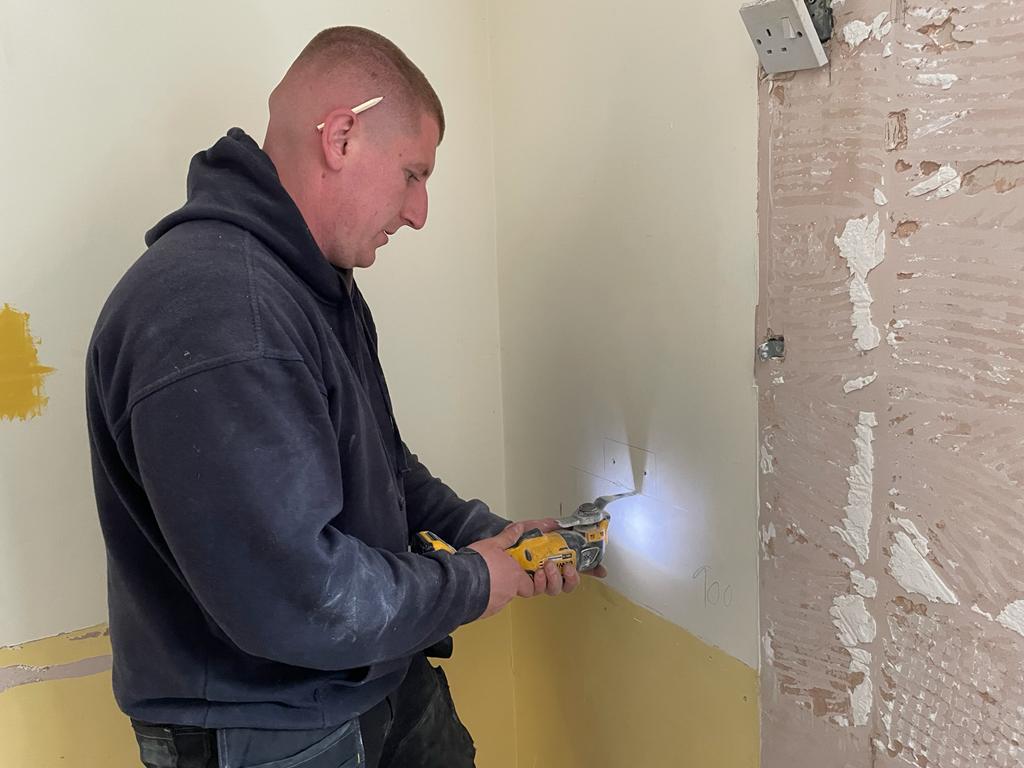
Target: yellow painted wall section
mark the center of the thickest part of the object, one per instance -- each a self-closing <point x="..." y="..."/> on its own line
<point x="604" y="683"/>
<point x="528" y="683"/>
<point x="73" y="722"/>
<point x="63" y="721"/>
<point x="480" y="674"/>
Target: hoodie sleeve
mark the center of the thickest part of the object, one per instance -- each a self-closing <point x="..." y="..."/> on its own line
<point x="240" y="465"/>
<point x="433" y="506"/>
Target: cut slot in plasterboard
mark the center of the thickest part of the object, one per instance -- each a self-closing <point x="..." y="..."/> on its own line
<point x="630" y="467"/>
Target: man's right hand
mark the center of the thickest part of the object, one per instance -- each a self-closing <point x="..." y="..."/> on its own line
<point x="508" y="579"/>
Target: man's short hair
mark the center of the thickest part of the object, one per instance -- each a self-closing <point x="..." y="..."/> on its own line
<point x="376" y="57"/>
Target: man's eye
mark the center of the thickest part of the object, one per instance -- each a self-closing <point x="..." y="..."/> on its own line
<point x="410" y="176"/>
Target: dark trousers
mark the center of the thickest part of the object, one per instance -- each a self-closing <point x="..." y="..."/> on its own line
<point x="414" y="727"/>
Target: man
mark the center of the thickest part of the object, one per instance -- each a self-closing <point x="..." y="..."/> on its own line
<point x="255" y="494"/>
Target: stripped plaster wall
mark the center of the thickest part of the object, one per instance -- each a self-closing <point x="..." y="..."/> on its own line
<point x="892" y="457"/>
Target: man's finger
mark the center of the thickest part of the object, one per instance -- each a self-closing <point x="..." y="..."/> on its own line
<point x="526" y="586"/>
<point x="554" y="576"/>
<point x="570" y="578"/>
<point x="540" y="582"/>
<point x="509" y="536"/>
<point x="600" y="572"/>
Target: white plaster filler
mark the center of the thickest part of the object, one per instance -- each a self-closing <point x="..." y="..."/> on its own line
<point x="767" y="537"/>
<point x="850" y="616"/>
<point x="978" y="610"/>
<point x="891" y="337"/>
<point x="944" y="182"/>
<point x="880" y="198"/>
<point x="859" y="383"/>
<point x="861" y="696"/>
<point x="769" y="650"/>
<point x="938" y="124"/>
<point x="937" y="80"/>
<point x="857" y="31"/>
<point x="908" y="565"/>
<point x="932" y="15"/>
<point x="1012" y="616"/>
<point x="865" y="585"/>
<point x="857" y="523"/>
<point x="862" y="244"/>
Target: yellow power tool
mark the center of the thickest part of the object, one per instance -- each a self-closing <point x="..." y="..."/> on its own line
<point x="579" y="541"/>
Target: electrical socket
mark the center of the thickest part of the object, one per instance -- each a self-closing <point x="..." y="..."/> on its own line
<point x="784" y="35"/>
<point x="630" y="467"/>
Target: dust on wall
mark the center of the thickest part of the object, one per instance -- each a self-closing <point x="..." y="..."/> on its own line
<point x="892" y="235"/>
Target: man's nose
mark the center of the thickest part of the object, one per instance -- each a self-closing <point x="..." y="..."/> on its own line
<point x="414" y="212"/>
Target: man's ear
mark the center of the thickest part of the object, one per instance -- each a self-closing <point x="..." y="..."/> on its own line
<point x="335" y="137"/>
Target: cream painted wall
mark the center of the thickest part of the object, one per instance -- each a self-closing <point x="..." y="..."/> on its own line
<point x="625" y="141"/>
<point x="104" y="103"/>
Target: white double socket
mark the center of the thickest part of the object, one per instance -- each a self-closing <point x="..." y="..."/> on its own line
<point x="784" y="35"/>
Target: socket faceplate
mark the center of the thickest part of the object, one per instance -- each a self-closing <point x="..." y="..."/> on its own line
<point x="784" y="35"/>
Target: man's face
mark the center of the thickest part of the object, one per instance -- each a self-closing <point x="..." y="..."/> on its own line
<point x="381" y="188"/>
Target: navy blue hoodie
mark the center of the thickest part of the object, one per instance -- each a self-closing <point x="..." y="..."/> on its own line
<point x="254" y="493"/>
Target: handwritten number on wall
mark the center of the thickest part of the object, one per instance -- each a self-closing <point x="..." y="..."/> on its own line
<point x="714" y="593"/>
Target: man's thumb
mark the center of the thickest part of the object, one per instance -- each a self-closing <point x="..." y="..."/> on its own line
<point x="509" y="536"/>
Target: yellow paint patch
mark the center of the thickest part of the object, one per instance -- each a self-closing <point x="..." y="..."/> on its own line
<point x="63" y="723"/>
<point x="21" y="375"/>
<point x="601" y="681"/>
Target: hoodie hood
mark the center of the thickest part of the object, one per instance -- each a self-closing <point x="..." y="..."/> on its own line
<point x="235" y="181"/>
